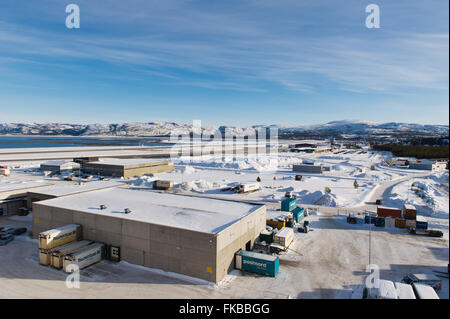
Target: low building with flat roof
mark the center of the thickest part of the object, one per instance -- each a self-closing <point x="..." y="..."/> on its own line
<point x="133" y="167"/>
<point x="13" y="194"/>
<point x="59" y="166"/>
<point x="194" y="236"/>
<point x="70" y="189"/>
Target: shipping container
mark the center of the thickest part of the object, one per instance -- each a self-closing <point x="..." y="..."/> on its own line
<point x="383" y="211"/>
<point x="369" y="219"/>
<point x="45" y="257"/>
<point x="85" y="256"/>
<point x="389" y="222"/>
<point x="404" y="291"/>
<point x="284" y="237"/>
<point x="266" y="236"/>
<point x="386" y="290"/>
<point x="160" y="184"/>
<point x="298" y="213"/>
<point x="59" y="236"/>
<point x="379" y="222"/>
<point x="57" y="256"/>
<point x="288" y="204"/>
<point x="421" y="223"/>
<point x="423" y="291"/>
<point x="427" y="279"/>
<point x="409" y="211"/>
<point x="258" y="263"/>
<point x="278" y="223"/>
<point x="409" y="223"/>
<point x="400" y="223"/>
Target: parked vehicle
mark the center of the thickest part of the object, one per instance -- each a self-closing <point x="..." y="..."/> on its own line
<point x="19" y="231"/>
<point x="351" y="219"/>
<point x="247" y="188"/>
<point x="378" y="202"/>
<point x="5" y="239"/>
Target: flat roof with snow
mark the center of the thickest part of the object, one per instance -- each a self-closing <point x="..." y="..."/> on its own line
<point x="15" y="185"/>
<point x="193" y="213"/>
<point x="78" y="188"/>
<point x="128" y="161"/>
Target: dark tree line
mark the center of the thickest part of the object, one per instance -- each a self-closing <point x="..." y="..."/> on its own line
<point x="417" y="151"/>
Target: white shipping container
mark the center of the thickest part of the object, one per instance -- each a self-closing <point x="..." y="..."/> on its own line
<point x="386" y="290"/>
<point x="389" y="222"/>
<point x="284" y="237"/>
<point x="59" y="236"/>
<point x="57" y="258"/>
<point x="404" y="291"/>
<point x="424" y="291"/>
<point x="84" y="257"/>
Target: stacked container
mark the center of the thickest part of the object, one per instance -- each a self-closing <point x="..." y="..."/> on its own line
<point x="383" y="211"/>
<point x="288" y="204"/>
<point x="59" y="236"/>
<point x="84" y="257"/>
<point x="421" y="223"/>
<point x="409" y="211"/>
<point x="57" y="256"/>
<point x="284" y="237"/>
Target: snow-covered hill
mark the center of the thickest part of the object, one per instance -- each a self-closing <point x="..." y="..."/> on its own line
<point x="167" y="128"/>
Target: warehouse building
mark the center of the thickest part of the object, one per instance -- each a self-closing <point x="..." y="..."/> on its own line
<point x="127" y="167"/>
<point x="308" y="168"/>
<point x="13" y="194"/>
<point x="59" y="166"/>
<point x="427" y="165"/>
<point x="193" y="236"/>
<point x="72" y="189"/>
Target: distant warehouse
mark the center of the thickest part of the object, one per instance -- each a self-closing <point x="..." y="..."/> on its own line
<point x="189" y="235"/>
<point x="127" y="167"/>
<point x="427" y="165"/>
<point x="308" y="168"/>
<point x="59" y="166"/>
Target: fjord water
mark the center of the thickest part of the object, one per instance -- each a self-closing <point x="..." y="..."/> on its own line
<point x="74" y="141"/>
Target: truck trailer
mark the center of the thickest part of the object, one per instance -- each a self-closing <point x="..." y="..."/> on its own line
<point x="84" y="257"/>
<point x="57" y="254"/>
<point x="59" y="236"/>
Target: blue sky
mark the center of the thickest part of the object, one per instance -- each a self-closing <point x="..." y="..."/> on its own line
<point x="235" y="62"/>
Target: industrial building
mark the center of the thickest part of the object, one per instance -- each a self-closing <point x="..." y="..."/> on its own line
<point x="427" y="165"/>
<point x="190" y="235"/>
<point x="127" y="167"/>
<point x="77" y="188"/>
<point x="13" y="194"/>
<point x="59" y="166"/>
<point x="308" y="168"/>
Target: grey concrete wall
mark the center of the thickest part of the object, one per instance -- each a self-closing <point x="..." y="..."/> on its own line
<point x="171" y="249"/>
<point x="235" y="237"/>
<point x="11" y="207"/>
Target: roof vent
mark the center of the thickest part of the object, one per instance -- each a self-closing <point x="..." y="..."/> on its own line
<point x="102" y="207"/>
<point x="127" y="211"/>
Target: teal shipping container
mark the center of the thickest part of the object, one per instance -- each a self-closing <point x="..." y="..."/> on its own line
<point x="298" y="213"/>
<point x="288" y="204"/>
<point x="263" y="264"/>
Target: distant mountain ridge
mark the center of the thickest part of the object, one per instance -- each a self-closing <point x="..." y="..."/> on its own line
<point x="167" y="128"/>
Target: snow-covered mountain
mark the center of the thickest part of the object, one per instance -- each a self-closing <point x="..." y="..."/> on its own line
<point x="167" y="128"/>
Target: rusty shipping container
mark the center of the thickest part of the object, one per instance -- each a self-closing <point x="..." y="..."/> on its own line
<point x="409" y="211"/>
<point x="400" y="223"/>
<point x="383" y="211"/>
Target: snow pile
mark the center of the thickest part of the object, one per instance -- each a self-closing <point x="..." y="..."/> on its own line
<point x="198" y="186"/>
<point x="326" y="199"/>
<point x="187" y="169"/>
<point x="144" y="180"/>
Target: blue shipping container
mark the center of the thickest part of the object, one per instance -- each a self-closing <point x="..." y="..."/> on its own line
<point x="369" y="219"/>
<point x="298" y="214"/>
<point x="421" y="223"/>
<point x="379" y="222"/>
<point x="258" y="263"/>
<point x="288" y="204"/>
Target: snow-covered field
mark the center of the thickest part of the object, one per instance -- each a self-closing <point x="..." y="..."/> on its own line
<point x="212" y="175"/>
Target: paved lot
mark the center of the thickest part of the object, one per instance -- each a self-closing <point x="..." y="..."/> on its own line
<point x="328" y="262"/>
